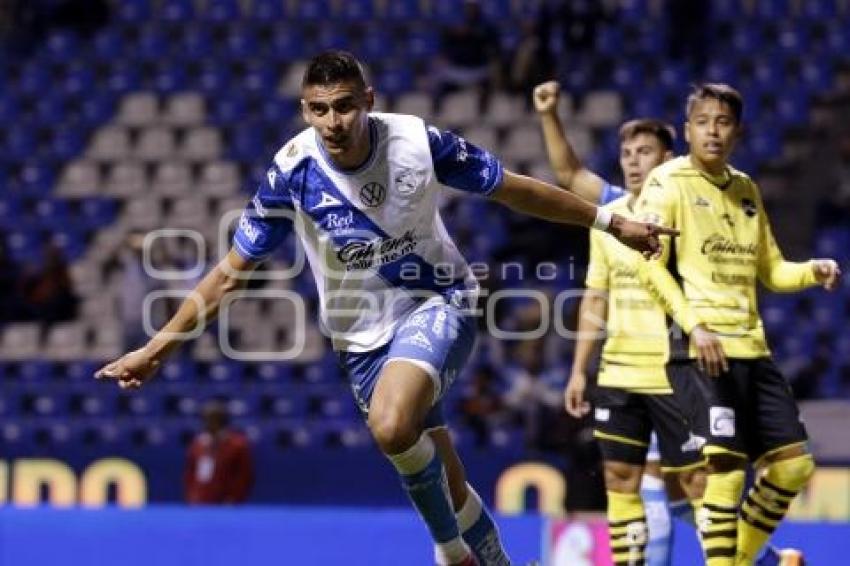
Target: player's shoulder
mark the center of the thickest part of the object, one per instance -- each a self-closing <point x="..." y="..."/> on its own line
<point x="739" y="176"/>
<point x="673" y="168"/>
<point x="619" y="204"/>
<point x="398" y="125"/>
<point x="295" y="151"/>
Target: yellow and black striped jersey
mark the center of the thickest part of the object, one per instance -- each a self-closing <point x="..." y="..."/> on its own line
<point x="725" y="246"/>
<point x="636" y="348"/>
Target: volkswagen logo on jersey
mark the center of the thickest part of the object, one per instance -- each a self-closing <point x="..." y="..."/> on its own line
<point x="373" y="194"/>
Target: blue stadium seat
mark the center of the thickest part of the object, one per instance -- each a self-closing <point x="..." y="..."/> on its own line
<point x="70" y="241"/>
<point x="834" y="243"/>
<point x="287" y="402"/>
<point x="339" y="433"/>
<point x="326" y="370"/>
<point x="259" y="79"/>
<point x="395" y="80"/>
<point x="177" y="10"/>
<point x="721" y="71"/>
<point x="10" y="209"/>
<point x="228" y="109"/>
<point x="792" y="38"/>
<point x="34" y="79"/>
<point x="279" y="110"/>
<point x="312" y="10"/>
<point x="746" y="39"/>
<point x="246" y="141"/>
<point x="273" y="372"/>
<point x="24" y="246"/>
<point x="792" y="106"/>
<point x="67" y="142"/>
<point x="609" y="40"/>
<point x="224" y="371"/>
<point x="97" y="212"/>
<point x="497" y="10"/>
<point x="403" y="11"/>
<point x="45" y="402"/>
<point x="123" y="77"/>
<point x="338" y="405"/>
<point x="37" y="178"/>
<point x="48" y="210"/>
<point x="423" y="42"/>
<point x="196" y="42"/>
<point x="62" y="45"/>
<point x="267" y="11"/>
<point x="446" y="12"/>
<point x="132" y="11"/>
<point x="287" y="44"/>
<point x="241" y="42"/>
<point x="80" y="371"/>
<point x="331" y="36"/>
<point x="373" y="43"/>
<point x="97" y="108"/>
<point x="818" y="10"/>
<point x="214" y="78"/>
<point x="170" y="77"/>
<point x="354" y="11"/>
<point x="141" y="403"/>
<point x="152" y="43"/>
<point x="222" y="11"/>
<point x="817" y="74"/>
<point x="87" y="401"/>
<point x="79" y="77"/>
<point x="772" y="10"/>
<point x="9" y="107"/>
<point x="108" y="43"/>
<point x="182" y="369"/>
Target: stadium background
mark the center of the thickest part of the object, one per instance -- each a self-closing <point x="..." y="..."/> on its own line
<point x="126" y="116"/>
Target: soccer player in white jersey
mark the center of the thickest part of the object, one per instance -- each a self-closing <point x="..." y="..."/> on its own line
<point x="396" y="296"/>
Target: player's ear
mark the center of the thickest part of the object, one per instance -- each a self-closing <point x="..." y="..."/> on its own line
<point x="686" y="131"/>
<point x="370" y="98"/>
<point x="304" y="113"/>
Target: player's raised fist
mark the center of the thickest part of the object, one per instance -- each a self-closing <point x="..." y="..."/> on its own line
<point x="546" y="96"/>
<point x="131" y="370"/>
<point x="827" y="273"/>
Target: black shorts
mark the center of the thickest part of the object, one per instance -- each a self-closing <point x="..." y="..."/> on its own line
<point x="625" y="420"/>
<point x="749" y="410"/>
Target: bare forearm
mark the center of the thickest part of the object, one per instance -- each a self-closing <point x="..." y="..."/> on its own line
<point x="536" y="198"/>
<point x="562" y="158"/>
<point x="591" y="328"/>
<point x="198" y="309"/>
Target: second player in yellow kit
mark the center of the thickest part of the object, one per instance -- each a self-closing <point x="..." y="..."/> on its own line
<point x="743" y="406"/>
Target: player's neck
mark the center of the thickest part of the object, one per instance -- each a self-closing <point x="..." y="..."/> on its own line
<point x="713" y="169"/>
<point x="356" y="156"/>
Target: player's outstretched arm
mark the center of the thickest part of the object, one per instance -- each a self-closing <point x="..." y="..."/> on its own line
<point x="591" y="331"/>
<point x="536" y="198"/>
<point x="198" y="309"/>
<point x="569" y="169"/>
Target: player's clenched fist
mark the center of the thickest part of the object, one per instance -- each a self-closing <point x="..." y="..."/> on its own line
<point x="827" y="273"/>
<point x="131" y="370"/>
<point x="546" y="96"/>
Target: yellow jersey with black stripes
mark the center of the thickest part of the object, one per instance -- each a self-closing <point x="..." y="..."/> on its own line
<point x="725" y="246"/>
<point x="636" y="347"/>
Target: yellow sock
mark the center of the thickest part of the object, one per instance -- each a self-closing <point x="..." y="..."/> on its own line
<point x="718" y="516"/>
<point x="627" y="526"/>
<point x="767" y="503"/>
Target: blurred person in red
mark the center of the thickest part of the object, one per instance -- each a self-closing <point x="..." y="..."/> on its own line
<point x="219" y="467"/>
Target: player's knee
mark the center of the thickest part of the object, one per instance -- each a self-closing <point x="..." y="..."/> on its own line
<point x="393" y="431"/>
<point x="797" y="470"/>
<point x="622" y="477"/>
<point x="725" y="462"/>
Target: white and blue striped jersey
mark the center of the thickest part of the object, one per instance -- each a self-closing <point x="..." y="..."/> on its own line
<point x="610" y="193"/>
<point x="373" y="236"/>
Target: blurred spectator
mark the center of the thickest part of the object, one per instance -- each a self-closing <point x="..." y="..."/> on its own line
<point x="567" y="30"/>
<point x="46" y="290"/>
<point x="469" y="55"/>
<point x="530" y="64"/>
<point x="481" y="407"/>
<point x="28" y="21"/>
<point x="136" y="285"/>
<point x="219" y="466"/>
<point x="536" y="395"/>
<point x="8" y="287"/>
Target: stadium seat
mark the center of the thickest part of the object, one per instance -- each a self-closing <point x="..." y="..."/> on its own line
<point x="201" y="144"/>
<point x="267" y="11"/>
<point x="287" y="44"/>
<point x="126" y="178"/>
<point x="280" y="110"/>
<point x="356" y="11"/>
<point x="133" y="11"/>
<point x="403" y="11"/>
<point x="312" y="10"/>
<point x="196" y="43"/>
<point x="181" y="369"/>
<point x="108" y="43"/>
<point x="138" y="109"/>
<point x="155" y="143"/>
<point x="123" y="77"/>
<point x="152" y="44"/>
<point x="241" y="43"/>
<point x="222" y="11"/>
<point x="34" y="79"/>
<point x="176" y="10"/>
<point x="213" y="79"/>
<point x="171" y="178"/>
<point x="37" y="178"/>
<point x="97" y="108"/>
<point x="67" y="142"/>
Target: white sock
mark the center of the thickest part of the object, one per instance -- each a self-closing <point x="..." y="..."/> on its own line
<point x="415" y="458"/>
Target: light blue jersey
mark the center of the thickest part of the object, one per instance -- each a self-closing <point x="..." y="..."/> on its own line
<point x="373" y="236"/>
<point x="610" y="193"/>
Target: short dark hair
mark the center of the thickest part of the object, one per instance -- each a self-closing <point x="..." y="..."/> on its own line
<point x="718" y="91"/>
<point x="664" y="132"/>
<point x="333" y="67"/>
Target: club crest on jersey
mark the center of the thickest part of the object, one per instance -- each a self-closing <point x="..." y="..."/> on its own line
<point x="408" y="180"/>
<point x="373" y="194"/>
<point x="749" y="207"/>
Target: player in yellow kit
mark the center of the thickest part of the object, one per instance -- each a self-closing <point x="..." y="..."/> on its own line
<point x="742" y="404"/>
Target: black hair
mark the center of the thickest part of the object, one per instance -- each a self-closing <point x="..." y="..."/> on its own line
<point x="718" y="91"/>
<point x="333" y="67"/>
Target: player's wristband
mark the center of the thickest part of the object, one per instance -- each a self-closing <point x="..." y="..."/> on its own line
<point x="603" y="219"/>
